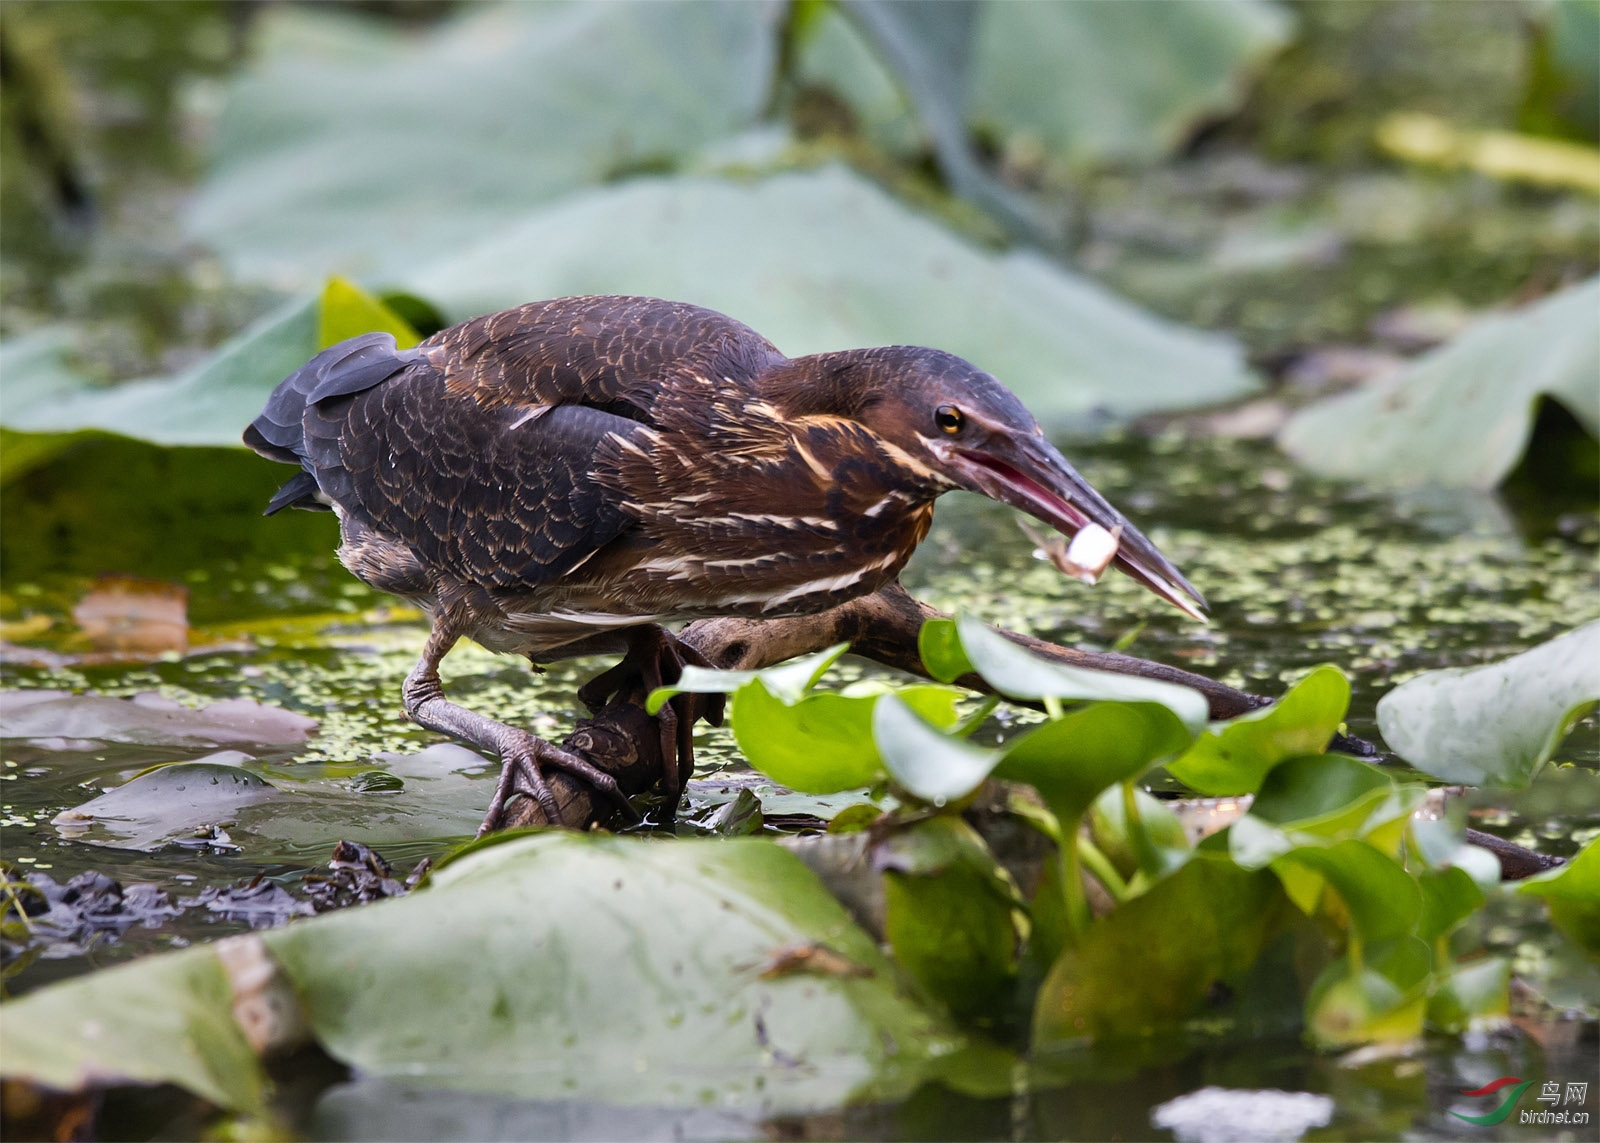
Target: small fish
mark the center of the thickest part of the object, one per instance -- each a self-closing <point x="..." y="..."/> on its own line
<point x="1086" y="558"/>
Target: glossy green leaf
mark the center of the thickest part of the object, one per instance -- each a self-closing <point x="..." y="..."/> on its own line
<point x="1471" y="995"/>
<point x="787" y="681"/>
<point x="824" y="260"/>
<point x="1233" y="757"/>
<point x="1383" y="901"/>
<point x="348" y="311"/>
<point x="344" y="148"/>
<point x="1072" y="759"/>
<point x="950" y="914"/>
<point x="1496" y="724"/>
<point x="934" y="767"/>
<point x="1449" y="897"/>
<point x="939" y="647"/>
<point x="598" y="945"/>
<point x="1357" y="1005"/>
<point x="1462" y="414"/>
<point x="1225" y="915"/>
<point x="1121" y="81"/>
<point x="1573" y="896"/>
<point x="1108" y="827"/>
<point x="824" y="742"/>
<point x="163" y="1019"/>
<point x="1017" y="673"/>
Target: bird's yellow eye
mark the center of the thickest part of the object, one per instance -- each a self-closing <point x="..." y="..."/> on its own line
<point x="949" y="419"/>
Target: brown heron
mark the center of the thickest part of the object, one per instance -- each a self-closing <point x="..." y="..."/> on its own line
<point x="561" y="478"/>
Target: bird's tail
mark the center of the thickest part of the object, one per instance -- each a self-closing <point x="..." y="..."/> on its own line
<point x="351" y="367"/>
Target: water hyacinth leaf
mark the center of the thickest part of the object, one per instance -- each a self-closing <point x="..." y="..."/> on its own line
<point x="1573" y="896"/>
<point x="823" y="260"/>
<point x="1495" y="724"/>
<point x="207" y="405"/>
<point x="598" y="945"/>
<point x="1329" y="794"/>
<point x="1442" y="847"/>
<point x="1461" y="414"/>
<point x="1353" y="1004"/>
<point x="939" y="646"/>
<point x="1108" y="827"/>
<point x="1471" y="995"/>
<point x="346" y="149"/>
<point x="950" y="914"/>
<point x="1070" y="760"/>
<point x="1449" y="897"/>
<point x="788" y="681"/>
<point x="1225" y="914"/>
<point x="349" y="311"/>
<point x="824" y="742"/>
<point x="929" y="765"/>
<point x="166" y="1018"/>
<point x="1016" y="673"/>
<point x="1383" y="901"/>
<point x="167" y="804"/>
<point x="1130" y="80"/>
<point x="1233" y="757"/>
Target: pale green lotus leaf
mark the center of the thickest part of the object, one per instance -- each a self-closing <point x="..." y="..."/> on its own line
<point x="823" y="260"/>
<point x="1461" y="415"/>
<point x="1496" y="724"/>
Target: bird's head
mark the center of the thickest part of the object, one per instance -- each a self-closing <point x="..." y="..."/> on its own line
<point x="958" y="427"/>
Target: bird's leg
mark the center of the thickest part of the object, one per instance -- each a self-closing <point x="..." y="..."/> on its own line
<point x="656" y="658"/>
<point x="521" y="753"/>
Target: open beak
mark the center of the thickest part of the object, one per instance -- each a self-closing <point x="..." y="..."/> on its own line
<point x="1029" y="473"/>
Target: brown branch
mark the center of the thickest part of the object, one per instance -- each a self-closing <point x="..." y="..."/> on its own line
<point x="622" y="740"/>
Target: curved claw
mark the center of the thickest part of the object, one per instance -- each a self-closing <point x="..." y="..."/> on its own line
<point x="522" y="757"/>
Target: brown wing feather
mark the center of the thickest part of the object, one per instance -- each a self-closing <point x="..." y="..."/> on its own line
<point x="612" y="353"/>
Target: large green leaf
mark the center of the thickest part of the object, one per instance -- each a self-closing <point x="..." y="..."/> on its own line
<point x="1573" y="895"/>
<point x="208" y="405"/>
<point x="1233" y="757"/>
<point x="1127" y="80"/>
<point x="1461" y="415"/>
<point x="950" y="914"/>
<point x="1016" y="673"/>
<point x="1071" y="759"/>
<point x="825" y="742"/>
<point x="347" y="149"/>
<point x="1207" y="921"/>
<point x="163" y="1019"/>
<point x="1496" y="724"/>
<point x="823" y="260"/>
<point x="561" y="966"/>
<point x="558" y="967"/>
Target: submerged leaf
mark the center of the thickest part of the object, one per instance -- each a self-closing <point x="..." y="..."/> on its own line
<point x="1496" y="724"/>
<point x="148" y="719"/>
<point x="167" y="804"/>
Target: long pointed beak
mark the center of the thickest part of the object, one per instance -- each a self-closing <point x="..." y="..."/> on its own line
<point x="1029" y="473"/>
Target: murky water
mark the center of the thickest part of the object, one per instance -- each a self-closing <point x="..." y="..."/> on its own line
<point x="1298" y="572"/>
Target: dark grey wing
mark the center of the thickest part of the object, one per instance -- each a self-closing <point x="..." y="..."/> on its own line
<point x="496" y="496"/>
<point x="612" y="353"/>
